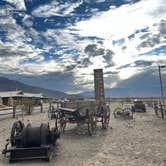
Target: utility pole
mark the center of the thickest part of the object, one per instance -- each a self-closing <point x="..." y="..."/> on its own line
<point x="161" y="83"/>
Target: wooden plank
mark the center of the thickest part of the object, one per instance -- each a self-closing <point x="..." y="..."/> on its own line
<point x="67" y="109"/>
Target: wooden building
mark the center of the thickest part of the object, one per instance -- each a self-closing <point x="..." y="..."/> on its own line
<point x="10" y="98"/>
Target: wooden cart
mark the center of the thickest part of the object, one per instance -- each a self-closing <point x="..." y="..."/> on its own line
<point x="88" y="113"/>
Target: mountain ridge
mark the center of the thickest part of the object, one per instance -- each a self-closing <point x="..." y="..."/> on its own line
<point x="12" y="85"/>
<point x="127" y="92"/>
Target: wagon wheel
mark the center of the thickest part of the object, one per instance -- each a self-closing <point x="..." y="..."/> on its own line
<point x="116" y="110"/>
<point x="161" y="109"/>
<point x="49" y="113"/>
<point x="127" y="109"/>
<point x="91" y="122"/>
<point x="57" y="121"/>
<point x="17" y="128"/>
<point x="105" y="117"/>
<point x="62" y="122"/>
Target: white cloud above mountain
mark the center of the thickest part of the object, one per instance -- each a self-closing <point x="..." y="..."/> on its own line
<point x="144" y="20"/>
<point x="121" y="40"/>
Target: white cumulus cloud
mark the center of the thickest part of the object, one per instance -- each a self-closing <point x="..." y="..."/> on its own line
<point x="121" y="22"/>
<point x="19" y="4"/>
<point x="56" y="9"/>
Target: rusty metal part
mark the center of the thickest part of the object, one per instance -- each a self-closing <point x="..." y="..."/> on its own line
<point x="138" y="106"/>
<point x="125" y="113"/>
<point x="29" y="142"/>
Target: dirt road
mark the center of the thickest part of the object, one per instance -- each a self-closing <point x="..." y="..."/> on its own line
<point x="137" y="142"/>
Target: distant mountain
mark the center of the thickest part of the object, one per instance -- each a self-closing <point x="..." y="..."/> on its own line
<point x="128" y="92"/>
<point x="12" y="85"/>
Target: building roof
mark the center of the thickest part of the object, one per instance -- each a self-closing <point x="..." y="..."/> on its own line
<point x="19" y="94"/>
<point x="38" y="95"/>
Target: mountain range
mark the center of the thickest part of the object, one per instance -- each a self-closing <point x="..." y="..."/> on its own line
<point x="12" y="85"/>
<point x="128" y="92"/>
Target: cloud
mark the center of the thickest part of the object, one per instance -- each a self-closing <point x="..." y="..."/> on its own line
<point x="154" y="36"/>
<point x="124" y="41"/>
<point x="56" y="9"/>
<point x="19" y="4"/>
<point x="149" y="78"/>
<point x="108" y="56"/>
<point x="143" y="19"/>
<point x="85" y="63"/>
<point x="92" y="50"/>
<point x="143" y="63"/>
<point x="95" y="1"/>
<point x="8" y="52"/>
<point x="98" y="50"/>
<point x="162" y="27"/>
<point x="121" y="22"/>
<point x="137" y="63"/>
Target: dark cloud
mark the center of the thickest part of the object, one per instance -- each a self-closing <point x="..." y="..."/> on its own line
<point x="151" y="39"/>
<point x="70" y="67"/>
<point x="111" y="72"/>
<point x="124" y="47"/>
<point x="93" y="50"/>
<point x="144" y="36"/>
<point x="138" y="63"/>
<point x="149" y="78"/>
<point x="7" y="52"/>
<point x="162" y="27"/>
<point x="143" y="63"/>
<point x="87" y="83"/>
<point x="96" y="50"/>
<point x="86" y="62"/>
<point x="108" y="56"/>
<point x="124" y="66"/>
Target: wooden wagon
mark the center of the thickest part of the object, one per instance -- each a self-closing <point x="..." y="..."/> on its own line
<point x="82" y="113"/>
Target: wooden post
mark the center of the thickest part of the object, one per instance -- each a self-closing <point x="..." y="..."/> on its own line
<point x="162" y="111"/>
<point x="156" y="109"/>
<point x="50" y="106"/>
<point x="1" y="101"/>
<point x="22" y="113"/>
<point x="41" y="107"/>
<point x="29" y="109"/>
<point x="57" y="104"/>
<point x="77" y="104"/>
<point x="14" y="110"/>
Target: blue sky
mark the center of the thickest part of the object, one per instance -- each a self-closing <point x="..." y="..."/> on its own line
<point x="56" y="44"/>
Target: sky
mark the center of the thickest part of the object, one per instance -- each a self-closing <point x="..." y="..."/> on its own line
<point x="56" y="44"/>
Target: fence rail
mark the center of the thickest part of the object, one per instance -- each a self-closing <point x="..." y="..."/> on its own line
<point x="7" y="112"/>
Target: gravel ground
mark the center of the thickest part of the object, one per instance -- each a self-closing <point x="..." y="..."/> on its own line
<point x="137" y="142"/>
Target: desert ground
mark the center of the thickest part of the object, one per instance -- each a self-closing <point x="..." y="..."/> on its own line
<point x="137" y="142"/>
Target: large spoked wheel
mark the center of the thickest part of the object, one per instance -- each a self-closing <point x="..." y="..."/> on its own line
<point x="62" y="122"/>
<point x="49" y="114"/>
<point x="128" y="113"/>
<point x="117" y="112"/>
<point x="105" y="117"/>
<point x="17" y="128"/>
<point x="91" y="123"/>
<point x="57" y="120"/>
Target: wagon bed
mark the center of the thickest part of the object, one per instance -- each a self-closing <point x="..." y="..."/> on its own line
<point x="89" y="113"/>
